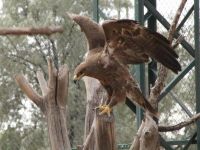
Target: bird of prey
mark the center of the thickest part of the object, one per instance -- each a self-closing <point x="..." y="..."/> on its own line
<point x="112" y="46"/>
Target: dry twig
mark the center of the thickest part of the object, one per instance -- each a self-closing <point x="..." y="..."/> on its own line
<point x="180" y="125"/>
<point x="31" y="30"/>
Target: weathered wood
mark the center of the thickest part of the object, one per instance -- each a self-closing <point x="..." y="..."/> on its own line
<point x="31" y="30"/>
<point x="136" y="143"/>
<point x="42" y="82"/>
<point x="28" y="90"/>
<point x="55" y="107"/>
<point x="52" y="103"/>
<point x="180" y="125"/>
<point x="149" y="139"/>
<point x="96" y="95"/>
<point x="92" y="85"/>
<point x="104" y="132"/>
<point x="88" y="139"/>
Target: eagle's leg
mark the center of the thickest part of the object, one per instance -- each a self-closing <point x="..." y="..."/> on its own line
<point x="118" y="95"/>
<point x="106" y="109"/>
<point x="101" y="107"/>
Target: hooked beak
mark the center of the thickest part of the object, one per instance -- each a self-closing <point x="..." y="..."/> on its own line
<point x="76" y="78"/>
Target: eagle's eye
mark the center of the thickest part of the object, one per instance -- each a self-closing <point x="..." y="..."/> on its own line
<point x="114" y="31"/>
<point x="80" y="73"/>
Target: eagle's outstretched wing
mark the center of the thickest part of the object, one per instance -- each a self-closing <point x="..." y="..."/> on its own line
<point x="93" y="32"/>
<point x="131" y="43"/>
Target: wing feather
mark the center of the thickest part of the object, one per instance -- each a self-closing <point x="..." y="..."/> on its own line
<point x="93" y="32"/>
<point x="126" y="34"/>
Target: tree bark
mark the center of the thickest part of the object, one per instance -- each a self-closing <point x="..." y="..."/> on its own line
<point x="52" y="103"/>
<point x="93" y="99"/>
<point x="104" y="133"/>
<point x="31" y="30"/>
<point x="95" y="126"/>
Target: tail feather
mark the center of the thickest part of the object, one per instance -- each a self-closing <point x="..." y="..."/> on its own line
<point x="136" y="96"/>
<point x="147" y="106"/>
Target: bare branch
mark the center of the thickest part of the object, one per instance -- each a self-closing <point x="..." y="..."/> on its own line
<point x="90" y="135"/>
<point x="55" y="53"/>
<point x="180" y="125"/>
<point x="31" y="30"/>
<point x="136" y="143"/>
<point x="63" y="81"/>
<point x="28" y="90"/>
<point x="42" y="82"/>
<point x="178" y="41"/>
<point x="175" y="21"/>
<point x="52" y="73"/>
<point x="162" y="72"/>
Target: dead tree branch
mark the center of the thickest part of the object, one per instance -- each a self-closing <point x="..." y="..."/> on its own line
<point x="52" y="103"/>
<point x="85" y="145"/>
<point x="42" y="82"/>
<point x="31" y="30"/>
<point x="28" y="90"/>
<point x="180" y="125"/>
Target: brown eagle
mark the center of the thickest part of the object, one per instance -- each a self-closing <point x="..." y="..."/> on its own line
<point x="112" y="47"/>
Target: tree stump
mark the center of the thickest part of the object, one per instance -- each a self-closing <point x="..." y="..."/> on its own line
<point x="99" y="130"/>
<point x="52" y="103"/>
<point x="104" y="132"/>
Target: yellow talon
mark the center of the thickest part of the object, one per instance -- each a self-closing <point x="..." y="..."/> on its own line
<point x="105" y="109"/>
<point x="101" y="107"/>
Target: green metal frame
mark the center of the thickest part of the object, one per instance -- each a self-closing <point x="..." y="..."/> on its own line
<point x="197" y="63"/>
<point x="151" y="17"/>
<point x="140" y="69"/>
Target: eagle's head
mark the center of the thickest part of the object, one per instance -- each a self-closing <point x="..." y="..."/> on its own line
<point x="88" y="67"/>
<point x="91" y="66"/>
<point x="80" y="71"/>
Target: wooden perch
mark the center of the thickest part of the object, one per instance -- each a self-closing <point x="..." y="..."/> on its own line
<point x="88" y="138"/>
<point x="28" y="90"/>
<point x="179" y="125"/>
<point x="42" y="82"/>
<point x="52" y="103"/>
<point x="104" y="133"/>
<point x="31" y="30"/>
<point x="99" y="131"/>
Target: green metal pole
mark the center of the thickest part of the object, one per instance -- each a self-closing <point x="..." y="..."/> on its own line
<point x="96" y="10"/>
<point x="152" y="67"/>
<point x="197" y="64"/>
<point x="140" y="69"/>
